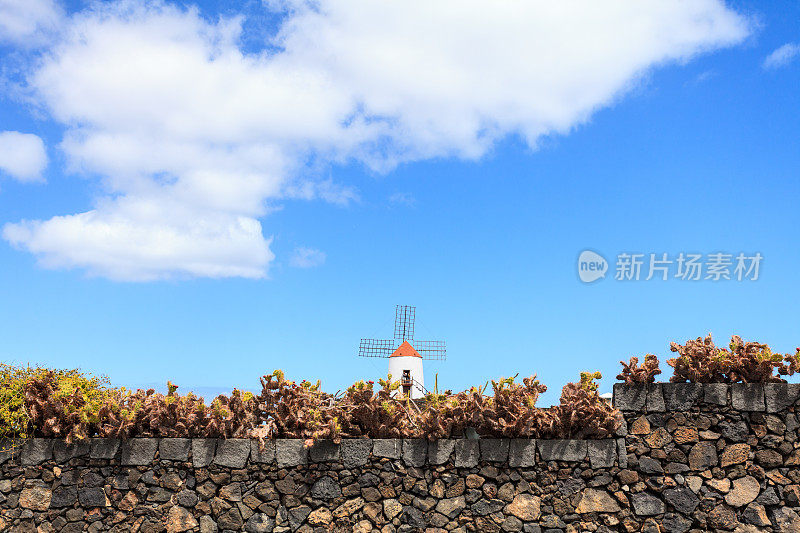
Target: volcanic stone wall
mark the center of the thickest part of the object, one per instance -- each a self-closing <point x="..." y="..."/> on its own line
<point x="207" y="485"/>
<point x="689" y="457"/>
<point x="711" y="457"/>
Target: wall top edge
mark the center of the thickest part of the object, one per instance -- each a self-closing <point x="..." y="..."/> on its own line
<point x="237" y="453"/>
<point x="666" y="397"/>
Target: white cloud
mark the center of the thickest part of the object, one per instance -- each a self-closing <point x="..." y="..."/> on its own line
<point x="143" y="239"/>
<point x="182" y="124"/>
<point x="782" y="56"/>
<point x="325" y="189"/>
<point x="403" y="198"/>
<point x="307" y="258"/>
<point x="22" y="155"/>
<point x="441" y="84"/>
<point x="29" y="22"/>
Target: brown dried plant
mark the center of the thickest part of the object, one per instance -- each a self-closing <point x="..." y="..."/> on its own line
<point x="286" y="409"/>
<point x="510" y="411"/>
<point x="700" y="361"/>
<point x="633" y="373"/>
<point x="64" y="403"/>
<point x="71" y="406"/>
<point x="582" y="413"/>
<point x="75" y="408"/>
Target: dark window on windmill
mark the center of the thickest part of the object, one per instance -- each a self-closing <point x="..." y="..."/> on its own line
<point x="406" y="382"/>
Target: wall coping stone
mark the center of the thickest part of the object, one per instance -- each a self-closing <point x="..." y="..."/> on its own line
<point x="138" y="451"/>
<point x="237" y="453"/>
<point x="203" y="452"/>
<point x="262" y="451"/>
<point x="655" y="399"/>
<point x="103" y="448"/>
<point x="439" y="451"/>
<point x="7" y="447"/>
<point x="681" y="396"/>
<point x="290" y="452"/>
<point x="562" y="449"/>
<point x="715" y="393"/>
<point x="602" y="453"/>
<point x="467" y="453"/>
<point x="232" y="453"/>
<point x="629" y="397"/>
<point x="494" y="450"/>
<point x="773" y="397"/>
<point x="35" y="451"/>
<point x="174" y="449"/>
<point x="415" y="451"/>
<point x="355" y="452"/>
<point x="522" y="453"/>
<point x="63" y="452"/>
<point x="780" y="396"/>
<point x="389" y="448"/>
<point x="748" y="396"/>
<point x="323" y="451"/>
<point x="622" y="452"/>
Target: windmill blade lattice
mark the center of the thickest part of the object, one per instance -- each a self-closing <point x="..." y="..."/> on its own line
<point x="432" y="350"/>
<point x="404" y="318"/>
<point x="376" y="348"/>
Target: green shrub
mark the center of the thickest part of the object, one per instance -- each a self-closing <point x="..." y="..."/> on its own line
<point x="20" y="410"/>
<point x="14" y="421"/>
<point x="65" y="403"/>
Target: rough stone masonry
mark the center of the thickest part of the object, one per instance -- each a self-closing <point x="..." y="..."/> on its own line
<point x="690" y="457"/>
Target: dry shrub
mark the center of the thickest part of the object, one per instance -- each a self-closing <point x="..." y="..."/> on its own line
<point x="151" y="414"/>
<point x="84" y="393"/>
<point x="510" y="411"/>
<point x="633" y="373"/>
<point x="302" y="411"/>
<point x="69" y="405"/>
<point x="73" y="405"/>
<point x="700" y="361"/>
<point x="65" y="403"/>
<point x="582" y="413"/>
<point x="382" y="415"/>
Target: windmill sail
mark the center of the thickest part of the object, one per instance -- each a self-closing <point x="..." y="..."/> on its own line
<point x="432" y="350"/>
<point x="404" y="318"/>
<point x="376" y="348"/>
<point x="404" y="322"/>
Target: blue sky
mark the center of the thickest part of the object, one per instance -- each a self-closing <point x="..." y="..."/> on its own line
<point x="480" y="227"/>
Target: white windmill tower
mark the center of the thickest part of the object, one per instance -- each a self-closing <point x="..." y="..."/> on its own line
<point x="405" y="354"/>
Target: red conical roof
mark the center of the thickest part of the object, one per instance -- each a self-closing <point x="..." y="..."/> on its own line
<point x="406" y="350"/>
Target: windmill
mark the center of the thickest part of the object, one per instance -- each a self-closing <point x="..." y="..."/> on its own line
<point x="405" y="354"/>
